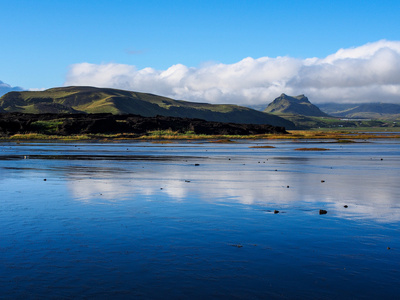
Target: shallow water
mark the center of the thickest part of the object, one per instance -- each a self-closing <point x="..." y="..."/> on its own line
<point x="196" y="220"/>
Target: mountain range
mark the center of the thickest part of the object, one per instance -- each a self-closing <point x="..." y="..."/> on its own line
<point x="306" y="115"/>
<point x="362" y="110"/>
<point x="290" y="106"/>
<point x="105" y="100"/>
<point x="285" y="111"/>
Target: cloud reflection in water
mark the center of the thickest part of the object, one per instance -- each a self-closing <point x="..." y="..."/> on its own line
<point x="280" y="183"/>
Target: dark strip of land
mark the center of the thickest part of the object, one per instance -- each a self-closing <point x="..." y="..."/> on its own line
<point x="76" y="124"/>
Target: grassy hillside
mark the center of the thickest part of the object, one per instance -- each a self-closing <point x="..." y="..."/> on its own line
<point x="104" y="100"/>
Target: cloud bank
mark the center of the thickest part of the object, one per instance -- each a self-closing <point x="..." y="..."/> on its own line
<point x="369" y="73"/>
<point x="5" y="88"/>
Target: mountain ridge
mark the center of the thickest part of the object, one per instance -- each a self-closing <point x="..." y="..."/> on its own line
<point x="86" y="99"/>
<point x="296" y="105"/>
<point x="373" y="110"/>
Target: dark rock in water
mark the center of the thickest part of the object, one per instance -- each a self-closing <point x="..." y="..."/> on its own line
<point x="197" y="165"/>
<point x="322" y="212"/>
<point x="345" y="206"/>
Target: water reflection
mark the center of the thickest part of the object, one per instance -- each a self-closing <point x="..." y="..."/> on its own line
<point x="369" y="191"/>
<point x="362" y="176"/>
<point x="196" y="220"/>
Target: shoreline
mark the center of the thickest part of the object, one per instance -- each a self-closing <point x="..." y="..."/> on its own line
<point x="342" y="136"/>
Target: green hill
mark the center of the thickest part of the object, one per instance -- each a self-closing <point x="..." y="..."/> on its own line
<point x="299" y="105"/>
<point x="105" y="100"/>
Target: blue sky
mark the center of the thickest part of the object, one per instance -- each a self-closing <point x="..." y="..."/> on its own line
<point x="42" y="41"/>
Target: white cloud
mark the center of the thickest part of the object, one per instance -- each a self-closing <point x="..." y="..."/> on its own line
<point x="369" y="73"/>
<point x="5" y="88"/>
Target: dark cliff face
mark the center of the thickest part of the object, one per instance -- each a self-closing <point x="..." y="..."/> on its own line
<point x="12" y="123"/>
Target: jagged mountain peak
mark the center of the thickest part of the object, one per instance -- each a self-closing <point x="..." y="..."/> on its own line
<point x="296" y="105"/>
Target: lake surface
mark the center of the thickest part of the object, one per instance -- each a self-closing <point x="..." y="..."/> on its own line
<point x="195" y="220"/>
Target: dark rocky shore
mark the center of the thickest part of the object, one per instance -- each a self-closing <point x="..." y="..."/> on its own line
<point x="67" y="124"/>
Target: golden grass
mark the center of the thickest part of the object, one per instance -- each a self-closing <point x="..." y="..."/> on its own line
<point x="340" y="136"/>
<point x="39" y="136"/>
<point x="335" y="136"/>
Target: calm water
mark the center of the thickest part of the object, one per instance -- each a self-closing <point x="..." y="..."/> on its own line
<point x="196" y="220"/>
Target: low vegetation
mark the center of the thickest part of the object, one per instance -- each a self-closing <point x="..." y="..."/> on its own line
<point x="47" y="127"/>
<point x="335" y="136"/>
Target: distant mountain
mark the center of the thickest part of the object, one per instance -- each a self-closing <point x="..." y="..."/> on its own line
<point x="259" y="107"/>
<point x="363" y="110"/>
<point x="5" y="88"/>
<point x="103" y="100"/>
<point x="299" y="105"/>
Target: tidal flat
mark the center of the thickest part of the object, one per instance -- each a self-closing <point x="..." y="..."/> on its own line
<point x="198" y="220"/>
